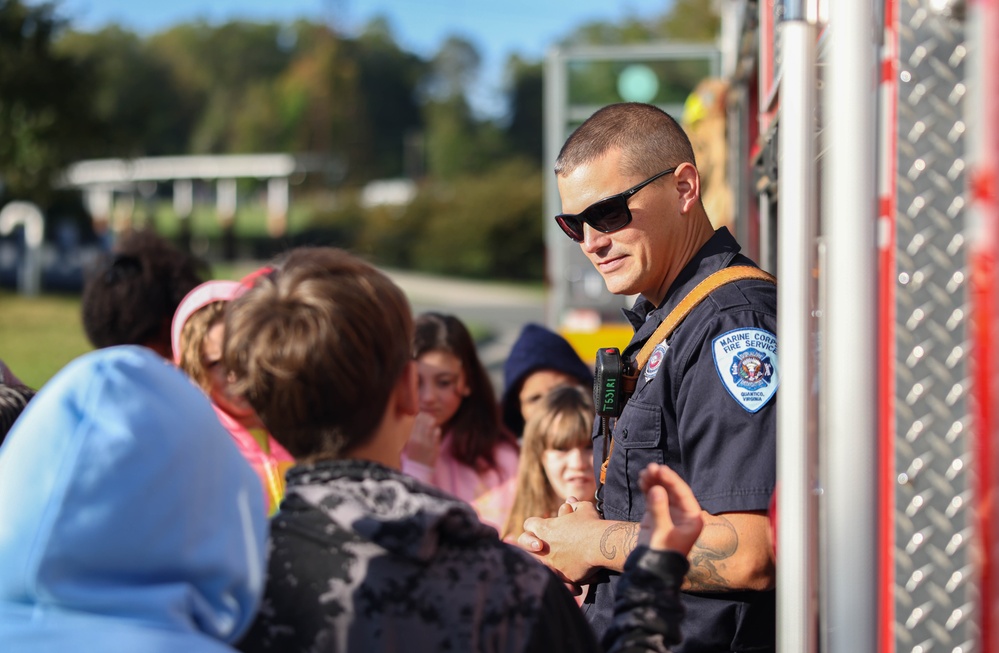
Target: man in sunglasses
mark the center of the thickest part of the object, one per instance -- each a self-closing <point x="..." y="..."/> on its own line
<point x="704" y="402"/>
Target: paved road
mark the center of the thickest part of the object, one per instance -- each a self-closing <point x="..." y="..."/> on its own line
<point x="499" y="309"/>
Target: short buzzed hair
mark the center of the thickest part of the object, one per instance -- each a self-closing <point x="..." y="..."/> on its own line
<point x="317" y="347"/>
<point x="650" y="140"/>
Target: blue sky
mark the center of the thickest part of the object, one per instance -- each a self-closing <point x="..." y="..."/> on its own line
<point x="498" y="28"/>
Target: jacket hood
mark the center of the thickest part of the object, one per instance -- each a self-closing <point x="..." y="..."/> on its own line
<point x="537" y="348"/>
<point x="128" y="518"/>
<point x="387" y="508"/>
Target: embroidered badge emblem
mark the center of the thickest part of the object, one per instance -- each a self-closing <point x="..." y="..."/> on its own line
<point x="655" y="361"/>
<point x="746" y="361"/>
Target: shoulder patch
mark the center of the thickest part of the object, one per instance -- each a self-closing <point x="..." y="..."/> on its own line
<point x="655" y="361"/>
<point x="746" y="361"/>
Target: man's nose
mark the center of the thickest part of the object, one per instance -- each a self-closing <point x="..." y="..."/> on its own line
<point x="593" y="240"/>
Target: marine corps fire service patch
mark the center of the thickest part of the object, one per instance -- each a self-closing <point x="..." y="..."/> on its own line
<point x="746" y="360"/>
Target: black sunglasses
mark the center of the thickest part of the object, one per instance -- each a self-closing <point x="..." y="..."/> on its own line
<point x="606" y="215"/>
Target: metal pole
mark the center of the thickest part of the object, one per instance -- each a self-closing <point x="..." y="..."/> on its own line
<point x="848" y="421"/>
<point x="557" y="255"/>
<point x="982" y="109"/>
<point x="797" y="225"/>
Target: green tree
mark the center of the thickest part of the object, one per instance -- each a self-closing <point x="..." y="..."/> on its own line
<point x="45" y="120"/>
<point x="452" y="141"/>
<point x="484" y="226"/>
<point x="525" y="121"/>
<point x="687" y="21"/>
<point x="225" y="71"/>
<point x="133" y="95"/>
<point x="319" y="94"/>
<point x="390" y="113"/>
<point x="690" y="20"/>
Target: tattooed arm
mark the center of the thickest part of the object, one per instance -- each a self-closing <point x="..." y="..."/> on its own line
<point x="617" y="541"/>
<point x="733" y="551"/>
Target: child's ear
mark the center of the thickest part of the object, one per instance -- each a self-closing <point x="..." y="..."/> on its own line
<point x="408" y="390"/>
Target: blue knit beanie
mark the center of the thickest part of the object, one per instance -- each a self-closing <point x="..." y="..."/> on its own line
<point x="537" y="348"/>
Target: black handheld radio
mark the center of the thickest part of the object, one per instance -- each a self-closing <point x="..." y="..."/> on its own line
<point x="608" y="380"/>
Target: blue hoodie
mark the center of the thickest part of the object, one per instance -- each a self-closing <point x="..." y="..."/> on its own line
<point x="129" y="521"/>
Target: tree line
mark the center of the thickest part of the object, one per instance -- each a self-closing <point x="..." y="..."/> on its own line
<point x="301" y="87"/>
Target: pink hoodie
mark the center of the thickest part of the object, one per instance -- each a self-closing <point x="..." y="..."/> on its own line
<point x="491" y="492"/>
<point x="269" y="465"/>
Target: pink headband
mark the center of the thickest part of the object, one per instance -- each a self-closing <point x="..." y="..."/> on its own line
<point x="203" y="295"/>
<point x="251" y="278"/>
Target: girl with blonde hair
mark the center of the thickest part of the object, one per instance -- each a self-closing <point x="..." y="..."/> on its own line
<point x="198" y="335"/>
<point x="556" y="460"/>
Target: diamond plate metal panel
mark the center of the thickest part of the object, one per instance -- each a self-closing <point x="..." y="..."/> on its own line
<point x="935" y="595"/>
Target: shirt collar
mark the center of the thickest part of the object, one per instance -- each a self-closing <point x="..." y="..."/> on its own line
<point x="714" y="255"/>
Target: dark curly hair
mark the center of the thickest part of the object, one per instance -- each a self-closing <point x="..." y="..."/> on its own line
<point x="130" y="296"/>
<point x="13" y="399"/>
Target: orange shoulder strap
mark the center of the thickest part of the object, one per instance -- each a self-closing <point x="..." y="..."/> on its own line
<point x="698" y="294"/>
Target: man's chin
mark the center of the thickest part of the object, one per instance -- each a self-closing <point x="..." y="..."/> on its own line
<point x="619" y="286"/>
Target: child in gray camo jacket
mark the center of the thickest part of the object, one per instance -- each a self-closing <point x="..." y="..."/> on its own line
<point x="365" y="558"/>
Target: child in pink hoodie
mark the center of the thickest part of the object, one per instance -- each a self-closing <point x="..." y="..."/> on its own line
<point x="459" y="443"/>
<point x="197" y="334"/>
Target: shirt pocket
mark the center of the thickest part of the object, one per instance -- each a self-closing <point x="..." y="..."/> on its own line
<point x="640" y="440"/>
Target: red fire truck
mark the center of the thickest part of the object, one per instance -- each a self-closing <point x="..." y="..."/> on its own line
<point x="864" y="149"/>
<point x="864" y="169"/>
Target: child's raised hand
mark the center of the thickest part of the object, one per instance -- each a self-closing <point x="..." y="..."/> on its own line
<point x="424" y="444"/>
<point x="672" y="517"/>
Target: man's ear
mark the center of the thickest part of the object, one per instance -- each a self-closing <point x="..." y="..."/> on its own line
<point x="688" y="184"/>
<point x="408" y="390"/>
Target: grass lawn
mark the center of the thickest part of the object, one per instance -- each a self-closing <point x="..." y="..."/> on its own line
<point x="39" y="335"/>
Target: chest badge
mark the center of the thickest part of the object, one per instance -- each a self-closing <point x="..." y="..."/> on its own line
<point x="746" y="361"/>
<point x="655" y="361"/>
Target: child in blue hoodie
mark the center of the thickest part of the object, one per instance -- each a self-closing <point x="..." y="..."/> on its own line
<point x="129" y="521"/>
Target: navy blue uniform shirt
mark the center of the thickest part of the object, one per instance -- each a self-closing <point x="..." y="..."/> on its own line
<point x="705" y="405"/>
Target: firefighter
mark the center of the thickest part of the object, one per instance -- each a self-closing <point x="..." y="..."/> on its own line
<point x="703" y="403"/>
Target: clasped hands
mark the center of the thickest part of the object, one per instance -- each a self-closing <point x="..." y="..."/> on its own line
<point x="577" y="543"/>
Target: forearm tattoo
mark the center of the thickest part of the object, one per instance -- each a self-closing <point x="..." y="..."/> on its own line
<point x="719" y="541"/>
<point x="627" y="531"/>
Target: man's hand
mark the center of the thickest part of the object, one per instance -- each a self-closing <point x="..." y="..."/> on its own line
<point x="578" y="542"/>
<point x="562" y="542"/>
<point x="672" y="517"/>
